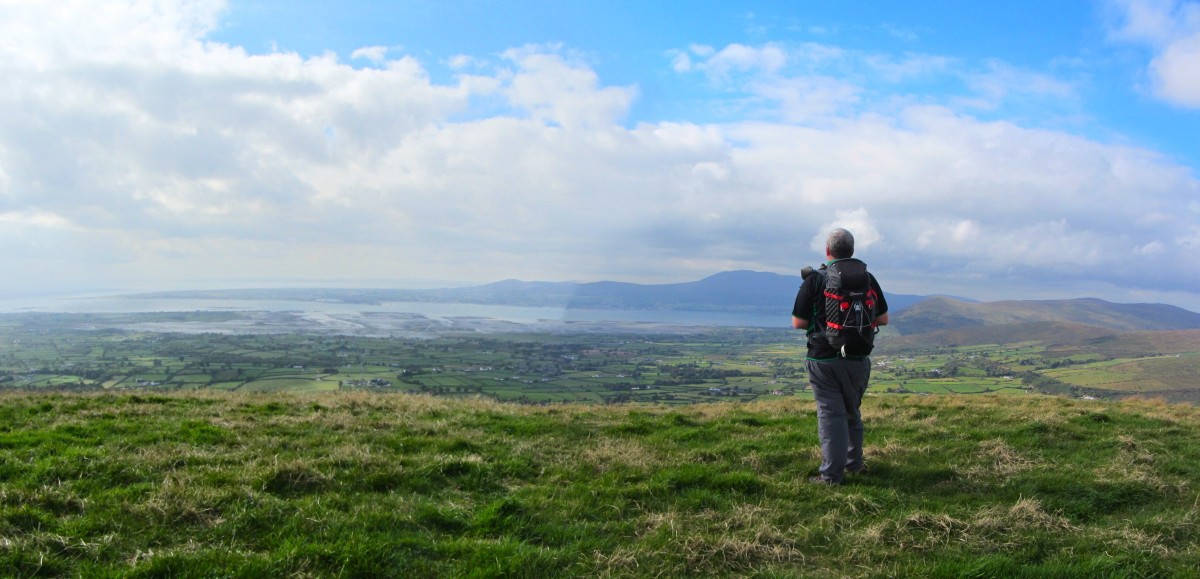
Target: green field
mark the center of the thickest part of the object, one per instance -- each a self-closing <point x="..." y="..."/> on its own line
<point x="66" y="353"/>
<point x="1148" y="374"/>
<point x="364" y="484"/>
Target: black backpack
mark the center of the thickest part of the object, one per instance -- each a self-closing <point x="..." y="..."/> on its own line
<point x="849" y="318"/>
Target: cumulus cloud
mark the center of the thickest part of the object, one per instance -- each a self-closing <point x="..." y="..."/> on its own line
<point x="557" y="91"/>
<point x="168" y="157"/>
<point x="858" y="222"/>
<point x="1175" y="71"/>
<point x="1171" y="28"/>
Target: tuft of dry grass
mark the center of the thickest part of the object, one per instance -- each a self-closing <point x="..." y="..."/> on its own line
<point x="999" y="462"/>
<point x="605" y="453"/>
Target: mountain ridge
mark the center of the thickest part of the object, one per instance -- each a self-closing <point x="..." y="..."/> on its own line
<point x="744" y="291"/>
<point x="940" y="313"/>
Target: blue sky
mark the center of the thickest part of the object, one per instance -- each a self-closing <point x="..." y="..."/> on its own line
<point x="1006" y="150"/>
<point x="629" y="43"/>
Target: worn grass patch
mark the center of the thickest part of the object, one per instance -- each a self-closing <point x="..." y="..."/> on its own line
<point x="358" y="484"/>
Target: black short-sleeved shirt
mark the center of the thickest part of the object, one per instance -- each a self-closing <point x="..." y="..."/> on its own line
<point x="809" y="306"/>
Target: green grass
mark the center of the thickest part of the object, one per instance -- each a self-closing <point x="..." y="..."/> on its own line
<point x="1155" y="373"/>
<point x="355" y="484"/>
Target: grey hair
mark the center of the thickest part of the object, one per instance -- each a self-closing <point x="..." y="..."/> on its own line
<point x="840" y="244"/>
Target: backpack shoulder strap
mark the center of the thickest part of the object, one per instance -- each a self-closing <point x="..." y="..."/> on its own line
<point x="818" y="306"/>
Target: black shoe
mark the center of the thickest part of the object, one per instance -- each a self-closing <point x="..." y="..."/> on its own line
<point x="820" y="480"/>
<point x="860" y="470"/>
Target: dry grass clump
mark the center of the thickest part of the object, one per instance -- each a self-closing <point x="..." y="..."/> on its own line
<point x="605" y="453"/>
<point x="731" y="554"/>
<point x="1129" y="538"/>
<point x="991" y="528"/>
<point x="708" y="542"/>
<point x="893" y="449"/>
<point x="921" y="531"/>
<point x="999" y="461"/>
<point x="1164" y="534"/>
<point x="620" y="562"/>
<point x="181" y="500"/>
<point x="859" y="505"/>
<point x="1024" y="515"/>
<point x="1136" y="463"/>
<point x="779" y="408"/>
<point x="1161" y="409"/>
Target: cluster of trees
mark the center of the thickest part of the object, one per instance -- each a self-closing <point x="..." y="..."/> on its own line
<point x="1045" y="384"/>
<point x="680" y="374"/>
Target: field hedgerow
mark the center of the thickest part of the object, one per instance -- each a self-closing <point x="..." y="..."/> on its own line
<point x="216" y="484"/>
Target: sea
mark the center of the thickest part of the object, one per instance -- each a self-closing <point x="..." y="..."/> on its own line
<point x="434" y="311"/>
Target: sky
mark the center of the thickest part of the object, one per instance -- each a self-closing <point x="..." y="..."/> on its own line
<point x="990" y="150"/>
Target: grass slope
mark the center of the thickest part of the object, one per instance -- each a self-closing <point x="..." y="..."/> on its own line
<point x="210" y="484"/>
<point x="1052" y="333"/>
<point x="942" y="313"/>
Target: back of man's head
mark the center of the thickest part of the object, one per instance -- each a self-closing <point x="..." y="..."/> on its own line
<point x="840" y="244"/>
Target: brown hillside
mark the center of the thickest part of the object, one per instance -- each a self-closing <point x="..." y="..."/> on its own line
<point x="1050" y="333"/>
<point x="1128" y="344"/>
<point x="1064" y="338"/>
<point x="942" y="313"/>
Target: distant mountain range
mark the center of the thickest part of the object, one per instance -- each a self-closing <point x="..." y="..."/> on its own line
<point x="732" y="291"/>
<point x="747" y="292"/>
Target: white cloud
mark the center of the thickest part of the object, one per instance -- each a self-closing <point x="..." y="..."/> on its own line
<point x="34" y="218"/>
<point x="170" y="157"/>
<point x="1152" y="248"/>
<point x="810" y="99"/>
<point x="1000" y="81"/>
<point x="1175" y="71"/>
<point x="1172" y="29"/>
<point x="463" y="61"/>
<point x="1144" y="20"/>
<point x="42" y="35"/>
<point x="908" y="66"/>
<point x="858" y="222"/>
<point x="375" y="54"/>
<point x="568" y="94"/>
<point x="812" y="83"/>
<point x="740" y="58"/>
<point x="681" y="62"/>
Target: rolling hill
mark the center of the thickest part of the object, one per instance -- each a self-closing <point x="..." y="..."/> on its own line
<point x="942" y="313"/>
<point x="1052" y="333"/>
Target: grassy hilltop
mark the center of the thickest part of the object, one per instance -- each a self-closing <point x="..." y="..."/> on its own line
<point x="357" y="484"/>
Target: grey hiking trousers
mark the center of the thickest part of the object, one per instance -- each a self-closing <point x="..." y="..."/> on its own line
<point x="838" y="387"/>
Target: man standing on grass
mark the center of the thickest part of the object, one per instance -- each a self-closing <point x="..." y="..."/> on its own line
<point x="838" y="377"/>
